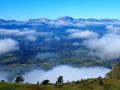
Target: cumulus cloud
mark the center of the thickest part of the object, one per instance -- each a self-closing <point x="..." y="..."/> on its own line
<point x="73" y="30"/>
<point x="82" y="34"/>
<point x="8" y="32"/>
<point x="8" y="45"/>
<point x="112" y="27"/>
<point x="17" y="32"/>
<point x="28" y="34"/>
<point x="31" y="38"/>
<point x="105" y="47"/>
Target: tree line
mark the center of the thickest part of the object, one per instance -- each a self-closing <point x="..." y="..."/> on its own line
<point x="20" y="79"/>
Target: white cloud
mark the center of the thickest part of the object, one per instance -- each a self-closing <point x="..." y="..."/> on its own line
<point x="57" y="38"/>
<point x="68" y="73"/>
<point x="73" y="30"/>
<point x="82" y="34"/>
<point x="30" y="35"/>
<point x="25" y="32"/>
<point x="48" y="55"/>
<point x="76" y="44"/>
<point x="4" y="75"/>
<point x="106" y="47"/>
<point x="8" y="32"/>
<point x="8" y="45"/>
<point x="111" y="27"/>
<point x="31" y="38"/>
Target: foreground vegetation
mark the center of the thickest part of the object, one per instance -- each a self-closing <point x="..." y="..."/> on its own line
<point x="91" y="84"/>
<point x="111" y="82"/>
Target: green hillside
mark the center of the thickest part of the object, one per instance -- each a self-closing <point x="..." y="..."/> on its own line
<point x="114" y="73"/>
<point x="92" y="84"/>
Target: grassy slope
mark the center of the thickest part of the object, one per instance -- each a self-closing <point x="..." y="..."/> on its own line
<point x="109" y="84"/>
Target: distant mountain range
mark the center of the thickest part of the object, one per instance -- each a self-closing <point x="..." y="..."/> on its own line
<point x="59" y="21"/>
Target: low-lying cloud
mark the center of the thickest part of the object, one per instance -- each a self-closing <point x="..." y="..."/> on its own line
<point x="106" y="47"/>
<point x="48" y="55"/>
<point x="27" y="34"/>
<point x="4" y="75"/>
<point x="73" y="30"/>
<point x="31" y="38"/>
<point x="78" y="34"/>
<point x="69" y="73"/>
<point x="76" y="44"/>
<point x="8" y="45"/>
<point x="112" y="27"/>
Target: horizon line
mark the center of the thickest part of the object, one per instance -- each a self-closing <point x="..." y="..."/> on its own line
<point x="58" y="18"/>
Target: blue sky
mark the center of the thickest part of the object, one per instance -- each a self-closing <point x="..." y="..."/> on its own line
<point x="25" y="9"/>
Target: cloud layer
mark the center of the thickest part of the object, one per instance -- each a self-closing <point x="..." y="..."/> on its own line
<point x="8" y="45"/>
<point x="106" y="46"/>
<point x="69" y="74"/>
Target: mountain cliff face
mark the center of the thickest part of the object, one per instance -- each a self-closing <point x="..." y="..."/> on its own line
<point x="65" y="19"/>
